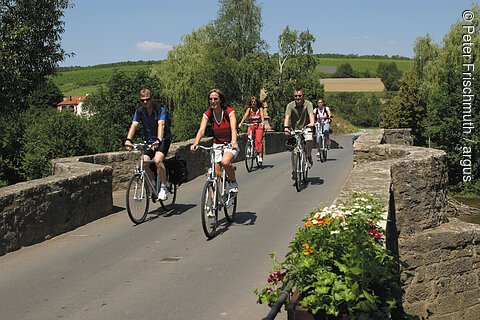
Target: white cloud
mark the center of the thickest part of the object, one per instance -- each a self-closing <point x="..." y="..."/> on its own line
<point x="152" y="45"/>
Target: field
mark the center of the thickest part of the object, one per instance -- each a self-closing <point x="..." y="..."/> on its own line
<point x="86" y="80"/>
<point x="353" y="85"/>
<point x="79" y="81"/>
<point x="362" y="65"/>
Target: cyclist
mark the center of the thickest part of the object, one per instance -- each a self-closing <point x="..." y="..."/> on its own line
<point x="224" y="125"/>
<point x="299" y="114"/>
<point x="154" y="122"/>
<point x="323" y="114"/>
<point x="255" y="113"/>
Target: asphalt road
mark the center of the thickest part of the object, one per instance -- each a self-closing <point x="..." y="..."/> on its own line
<point x="165" y="268"/>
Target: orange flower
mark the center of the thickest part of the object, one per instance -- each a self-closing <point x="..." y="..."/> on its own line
<point x="308" y="224"/>
<point x="341" y="217"/>
<point x="306" y="246"/>
<point x="328" y="220"/>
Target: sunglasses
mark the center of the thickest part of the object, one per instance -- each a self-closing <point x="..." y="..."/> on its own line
<point x="213" y="99"/>
<point x="298" y="95"/>
<point x="145" y="100"/>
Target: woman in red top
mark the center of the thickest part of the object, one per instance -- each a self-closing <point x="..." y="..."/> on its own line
<point x="255" y="113"/>
<point x="224" y="131"/>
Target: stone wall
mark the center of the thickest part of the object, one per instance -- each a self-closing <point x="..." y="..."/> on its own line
<point x="80" y="191"/>
<point x="439" y="255"/>
<point x="37" y="210"/>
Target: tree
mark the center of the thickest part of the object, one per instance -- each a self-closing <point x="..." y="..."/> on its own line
<point x="293" y="43"/>
<point x="30" y="50"/>
<point x="51" y="134"/>
<point x="345" y="70"/>
<point x="30" y="47"/>
<point x="390" y="75"/>
<point x="238" y="28"/>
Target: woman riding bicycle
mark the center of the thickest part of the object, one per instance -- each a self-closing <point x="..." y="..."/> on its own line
<point x="224" y="125"/>
<point x="255" y="113"/>
<point x="323" y="114"/>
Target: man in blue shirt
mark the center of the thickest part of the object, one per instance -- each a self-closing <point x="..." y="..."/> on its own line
<point x="154" y="123"/>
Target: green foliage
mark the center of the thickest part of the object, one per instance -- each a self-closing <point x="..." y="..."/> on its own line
<point x="344" y="71"/>
<point x="47" y="95"/>
<point x="29" y="48"/>
<point x="237" y="29"/>
<point x="390" y="75"/>
<point x="431" y="101"/>
<point x="339" y="264"/>
<point x="75" y="81"/>
<point x="50" y="134"/>
<point x="363" y="66"/>
<point x="360" y="109"/>
<point x="29" y="53"/>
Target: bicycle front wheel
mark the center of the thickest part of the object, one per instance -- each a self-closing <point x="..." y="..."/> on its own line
<point x="172" y="196"/>
<point x="323" y="151"/>
<point x="209" y="211"/>
<point x="137" y="199"/>
<point x="249" y="155"/>
<point x="230" y="205"/>
<point x="298" y="172"/>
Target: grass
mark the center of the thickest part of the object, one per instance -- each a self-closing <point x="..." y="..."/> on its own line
<point x="86" y="80"/>
<point x="363" y="64"/>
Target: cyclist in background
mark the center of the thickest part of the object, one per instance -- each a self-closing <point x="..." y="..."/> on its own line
<point x="323" y="113"/>
<point x="255" y="113"/>
<point x="299" y="114"/>
<point x="224" y="125"/>
<point x="154" y="122"/>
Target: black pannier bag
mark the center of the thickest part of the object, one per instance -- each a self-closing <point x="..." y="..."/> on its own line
<point x="177" y="170"/>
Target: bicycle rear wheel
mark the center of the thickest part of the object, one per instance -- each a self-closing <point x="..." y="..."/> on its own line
<point x="249" y="155"/>
<point x="298" y="172"/>
<point x="172" y="196"/>
<point x="209" y="214"/>
<point x="230" y="205"/>
<point x="137" y="199"/>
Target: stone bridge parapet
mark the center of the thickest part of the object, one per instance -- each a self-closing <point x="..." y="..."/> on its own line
<point x="439" y="255"/>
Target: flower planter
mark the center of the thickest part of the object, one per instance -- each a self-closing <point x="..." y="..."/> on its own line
<point x="297" y="312"/>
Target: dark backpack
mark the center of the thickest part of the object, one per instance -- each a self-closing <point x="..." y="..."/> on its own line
<point x="177" y="170"/>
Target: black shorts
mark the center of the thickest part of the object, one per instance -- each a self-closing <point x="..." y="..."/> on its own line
<point x="164" y="147"/>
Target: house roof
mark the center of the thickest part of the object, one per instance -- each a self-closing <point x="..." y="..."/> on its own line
<point x="72" y="100"/>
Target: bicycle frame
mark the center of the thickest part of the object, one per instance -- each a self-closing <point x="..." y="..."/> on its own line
<point x="320" y="136"/>
<point x="140" y="170"/>
<point x="220" y="198"/>
<point x="300" y="151"/>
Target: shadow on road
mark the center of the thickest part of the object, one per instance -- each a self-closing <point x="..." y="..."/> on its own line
<point x="315" y="181"/>
<point x="246" y="218"/>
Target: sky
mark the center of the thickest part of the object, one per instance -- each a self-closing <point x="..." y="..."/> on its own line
<point x="108" y="31"/>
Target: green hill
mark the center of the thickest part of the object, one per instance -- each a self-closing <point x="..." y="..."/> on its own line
<point x="75" y="81"/>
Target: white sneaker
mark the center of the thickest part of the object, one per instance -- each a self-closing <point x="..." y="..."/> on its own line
<point x="163" y="194"/>
<point x="210" y="213"/>
<point x="234" y="186"/>
<point x="260" y="159"/>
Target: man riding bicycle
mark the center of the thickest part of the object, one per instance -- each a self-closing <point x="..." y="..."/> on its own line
<point x="323" y="115"/>
<point x="299" y="114"/>
<point x="154" y="122"/>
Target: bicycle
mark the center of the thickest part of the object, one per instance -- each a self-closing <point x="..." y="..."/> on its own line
<point x="215" y="196"/>
<point x="321" y="140"/>
<point x="251" y="153"/>
<point x="141" y="187"/>
<point x="300" y="153"/>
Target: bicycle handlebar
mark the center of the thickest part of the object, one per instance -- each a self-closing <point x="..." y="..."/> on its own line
<point x="223" y="146"/>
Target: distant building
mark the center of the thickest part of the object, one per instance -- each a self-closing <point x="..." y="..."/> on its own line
<point x="74" y="104"/>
